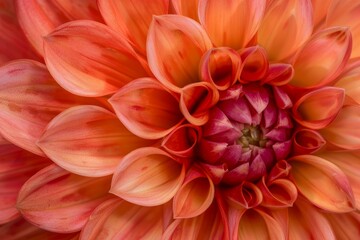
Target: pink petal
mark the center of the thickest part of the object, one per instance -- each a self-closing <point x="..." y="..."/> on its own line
<point x="147" y="177"/>
<point x="118" y="219"/>
<point x="317" y="109"/>
<point x="146" y="108"/>
<point x="132" y="18"/>
<point x="93" y="133"/>
<point x="231" y="23"/>
<point x="175" y="45"/>
<point x="90" y="59"/>
<point x="195" y="195"/>
<point x="282" y="99"/>
<point x="186" y="8"/>
<point x="307" y="141"/>
<point x="322" y="183"/>
<point x="322" y="58"/>
<point x="344" y="131"/>
<point x="285" y="27"/>
<point x="257" y="97"/>
<point x="279" y="74"/>
<point x="56" y="200"/>
<point x="30" y="99"/>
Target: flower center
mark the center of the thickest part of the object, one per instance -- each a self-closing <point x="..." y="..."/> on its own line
<point x="252" y="135"/>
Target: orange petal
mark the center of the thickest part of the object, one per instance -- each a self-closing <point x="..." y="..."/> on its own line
<point x="22" y="229"/>
<point x="221" y="67"/>
<point x="255" y="64"/>
<point x="231" y="23"/>
<point x="196" y="100"/>
<point x="93" y="133"/>
<point x="320" y="10"/>
<point x="344" y="131"/>
<point x="146" y="108"/>
<point x="147" y="177"/>
<point x="186" y="8"/>
<point x="118" y="219"/>
<point x="349" y="81"/>
<point x="307" y="141"/>
<point x="175" y="45"/>
<point x="322" y="58"/>
<point x="16" y="167"/>
<point x="132" y="18"/>
<point x="246" y="195"/>
<point x="79" y="9"/>
<point x="285" y="27"/>
<point x="257" y="224"/>
<point x="306" y="222"/>
<point x="30" y="99"/>
<point x="322" y="183"/>
<point x="56" y="200"/>
<point x="90" y="59"/>
<point x="345" y="226"/>
<point x="346" y="13"/>
<point x="195" y="195"/>
<point x="317" y="109"/>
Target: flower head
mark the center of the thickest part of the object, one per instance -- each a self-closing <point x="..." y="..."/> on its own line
<point x="180" y="119"/>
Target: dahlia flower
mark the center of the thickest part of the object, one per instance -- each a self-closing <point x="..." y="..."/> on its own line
<point x="179" y="119"/>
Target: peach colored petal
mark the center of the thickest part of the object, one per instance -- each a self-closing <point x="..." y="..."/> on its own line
<point x="56" y="200"/>
<point x="208" y="225"/>
<point x="255" y="64"/>
<point x="322" y="58"/>
<point x="90" y="59"/>
<point x="186" y="8"/>
<point x="16" y="167"/>
<point x="88" y="140"/>
<point x="231" y="23"/>
<point x="146" y="108"/>
<point x="257" y="224"/>
<point x="344" y="131"/>
<point x="22" y="229"/>
<point x="245" y="195"/>
<point x="320" y="10"/>
<point x="349" y="81"/>
<point x="346" y="13"/>
<point x="345" y="226"/>
<point x="195" y="195"/>
<point x="307" y="141"/>
<point x="196" y="99"/>
<point x="318" y="108"/>
<point x="175" y="45"/>
<point x="30" y="98"/>
<point x="147" y="177"/>
<point x="285" y="27"/>
<point x="348" y="162"/>
<point x="118" y="219"/>
<point x="221" y="67"/>
<point x="306" y="222"/>
<point x="322" y="183"/>
<point x="132" y="18"/>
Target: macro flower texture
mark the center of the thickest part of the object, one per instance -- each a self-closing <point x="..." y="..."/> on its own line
<point x="180" y="119"/>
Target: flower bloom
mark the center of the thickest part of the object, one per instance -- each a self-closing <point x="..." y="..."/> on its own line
<point x="176" y="119"/>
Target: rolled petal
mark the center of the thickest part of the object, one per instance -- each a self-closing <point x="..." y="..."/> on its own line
<point x="116" y="218"/>
<point x="280" y="170"/>
<point x="231" y="23"/>
<point x="344" y="226"/>
<point x="147" y="177"/>
<point x="317" y="109"/>
<point x="322" y="58"/>
<point x="146" y="108"/>
<point x="255" y="64"/>
<point x="175" y="45"/>
<point x="307" y="141"/>
<point x="330" y="190"/>
<point x="344" y="13"/>
<point x="58" y="201"/>
<point x="285" y="27"/>
<point x="93" y="133"/>
<point x="246" y="195"/>
<point x="132" y="18"/>
<point x="279" y="74"/>
<point x="221" y="67"/>
<point x="349" y="81"/>
<point x="90" y="59"/>
<point x="344" y="131"/>
<point x="196" y="100"/>
<point x="186" y="8"/>
<point x="16" y="167"/>
<point x="306" y="222"/>
<point x="22" y="229"/>
<point x="30" y="99"/>
<point x="195" y="195"/>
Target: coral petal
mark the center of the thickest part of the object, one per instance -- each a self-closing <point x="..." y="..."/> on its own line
<point x="307" y="141"/>
<point x="345" y="226"/>
<point x="67" y="199"/>
<point x="349" y="81"/>
<point x="186" y="8"/>
<point x="175" y="45"/>
<point x="255" y="64"/>
<point x="279" y="74"/>
<point x="146" y="108"/>
<point x="330" y="190"/>
<point x="147" y="177"/>
<point x="73" y="141"/>
<point x="246" y="195"/>
<point x="90" y="59"/>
